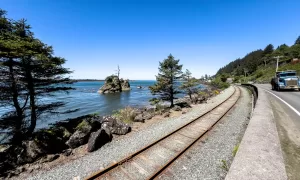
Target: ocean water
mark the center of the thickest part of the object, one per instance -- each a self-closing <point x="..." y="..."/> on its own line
<point x="86" y="98"/>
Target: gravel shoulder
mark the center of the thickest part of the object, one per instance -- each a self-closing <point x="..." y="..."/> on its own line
<point x="211" y="157"/>
<point x="119" y="148"/>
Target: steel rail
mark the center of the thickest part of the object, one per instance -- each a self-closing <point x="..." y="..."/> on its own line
<point x="168" y="164"/>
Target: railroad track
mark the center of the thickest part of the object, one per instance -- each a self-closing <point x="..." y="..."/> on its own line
<point x="152" y="160"/>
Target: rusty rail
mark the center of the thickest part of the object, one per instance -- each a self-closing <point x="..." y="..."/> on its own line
<point x="187" y="135"/>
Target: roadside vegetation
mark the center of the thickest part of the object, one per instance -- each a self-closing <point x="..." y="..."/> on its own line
<point x="219" y="82"/>
<point x="260" y="65"/>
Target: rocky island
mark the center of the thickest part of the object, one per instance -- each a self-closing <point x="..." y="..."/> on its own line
<point x="113" y="85"/>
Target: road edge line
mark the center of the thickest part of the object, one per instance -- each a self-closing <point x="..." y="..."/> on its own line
<point x="290" y="106"/>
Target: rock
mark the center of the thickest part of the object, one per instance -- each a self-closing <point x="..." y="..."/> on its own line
<point x="147" y="115"/>
<point x="49" y="158"/>
<point x="195" y="97"/>
<point x="77" y="139"/>
<point x="151" y="109"/>
<point x="115" y="126"/>
<point x="166" y="114"/>
<point x="139" y="118"/>
<point x="98" y="139"/>
<point x="125" y="85"/>
<point x="52" y="140"/>
<point x="21" y="169"/>
<point x="31" y="151"/>
<point x="176" y="108"/>
<point x="67" y="152"/>
<point x="4" y="148"/>
<point x="112" y="85"/>
<point x="183" y="105"/>
<point x="202" y="100"/>
<point x="183" y="112"/>
<point x="81" y="135"/>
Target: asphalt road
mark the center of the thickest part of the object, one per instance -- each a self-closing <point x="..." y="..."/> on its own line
<point x="291" y="97"/>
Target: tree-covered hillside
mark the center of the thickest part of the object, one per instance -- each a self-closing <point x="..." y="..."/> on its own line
<point x="260" y="64"/>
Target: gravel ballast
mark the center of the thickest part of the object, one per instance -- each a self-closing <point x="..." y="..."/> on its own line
<point x="204" y="159"/>
<point x="120" y="148"/>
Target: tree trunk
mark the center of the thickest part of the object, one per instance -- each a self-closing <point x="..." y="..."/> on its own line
<point x="172" y="94"/>
<point x="171" y="89"/>
<point x="18" y="125"/>
<point x="30" y="86"/>
<point x="190" y="94"/>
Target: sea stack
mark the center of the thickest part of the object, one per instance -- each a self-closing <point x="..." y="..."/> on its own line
<point x="113" y="85"/>
<point x="125" y="85"/>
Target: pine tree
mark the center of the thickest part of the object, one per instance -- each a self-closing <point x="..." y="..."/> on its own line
<point x="167" y="86"/>
<point x="189" y="83"/>
<point x="268" y="50"/>
<point x="297" y="40"/>
<point x="28" y="71"/>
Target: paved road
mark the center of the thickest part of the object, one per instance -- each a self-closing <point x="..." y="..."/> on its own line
<point x="288" y="126"/>
<point x="291" y="97"/>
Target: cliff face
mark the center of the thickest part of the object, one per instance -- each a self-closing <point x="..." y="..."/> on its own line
<point x="113" y="84"/>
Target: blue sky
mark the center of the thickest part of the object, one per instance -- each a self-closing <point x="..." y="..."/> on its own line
<point x="96" y="36"/>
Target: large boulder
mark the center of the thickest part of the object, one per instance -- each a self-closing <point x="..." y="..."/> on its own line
<point x="81" y="135"/>
<point x="139" y="118"/>
<point x="147" y="115"/>
<point x="31" y="151"/>
<point x="52" y="140"/>
<point x="115" y="126"/>
<point x="99" y="138"/>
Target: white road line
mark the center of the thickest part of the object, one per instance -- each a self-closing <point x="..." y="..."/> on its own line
<point x="297" y="112"/>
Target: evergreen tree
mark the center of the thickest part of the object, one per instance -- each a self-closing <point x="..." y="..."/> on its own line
<point x="28" y="71"/>
<point x="189" y="83"/>
<point x="166" y="86"/>
<point x="268" y="50"/>
<point x="206" y="77"/>
<point x="297" y="40"/>
<point x="294" y="51"/>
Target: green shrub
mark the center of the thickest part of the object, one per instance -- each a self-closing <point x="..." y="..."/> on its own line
<point x="153" y="101"/>
<point x="126" y="114"/>
<point x="218" y="83"/>
<point x="259" y="74"/>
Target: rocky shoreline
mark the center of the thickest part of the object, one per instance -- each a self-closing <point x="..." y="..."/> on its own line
<point x="66" y="138"/>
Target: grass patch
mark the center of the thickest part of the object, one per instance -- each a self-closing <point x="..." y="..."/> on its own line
<point x="126" y="114"/>
<point x="81" y="125"/>
<point x="235" y="149"/>
<point x="224" y="165"/>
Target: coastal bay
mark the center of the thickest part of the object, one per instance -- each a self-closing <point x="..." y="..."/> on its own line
<point x="86" y="99"/>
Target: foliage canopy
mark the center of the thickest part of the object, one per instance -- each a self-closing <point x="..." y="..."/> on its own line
<point x="28" y="72"/>
<point x="167" y="79"/>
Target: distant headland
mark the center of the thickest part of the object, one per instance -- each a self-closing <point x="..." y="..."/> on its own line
<point x="88" y="80"/>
